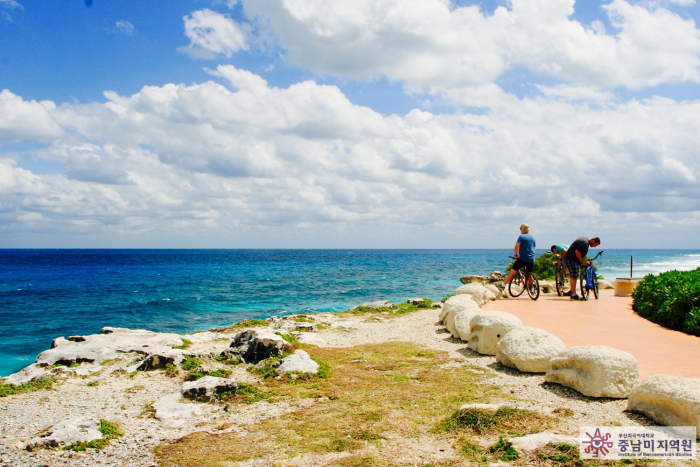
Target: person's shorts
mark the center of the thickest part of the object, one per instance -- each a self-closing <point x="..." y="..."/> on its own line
<point x="519" y="263"/>
<point x="573" y="268"/>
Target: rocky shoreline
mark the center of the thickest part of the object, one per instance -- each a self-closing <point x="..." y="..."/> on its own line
<point x="135" y="379"/>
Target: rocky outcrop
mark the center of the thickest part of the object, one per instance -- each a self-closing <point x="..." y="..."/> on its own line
<point x="161" y="358"/>
<point x="595" y="371"/>
<point x="668" y="400"/>
<point x="493" y="278"/>
<point x="529" y="349"/>
<point x="529" y="443"/>
<point x="255" y="345"/>
<point x="496" y="291"/>
<point x="603" y="284"/>
<point x="299" y="361"/>
<point x="68" y="432"/>
<point x="479" y="293"/>
<point x="108" y="345"/>
<point x="208" y="388"/>
<point x="548" y="286"/>
<point x="376" y="304"/>
<point x="488" y="327"/>
<point x="457" y="303"/>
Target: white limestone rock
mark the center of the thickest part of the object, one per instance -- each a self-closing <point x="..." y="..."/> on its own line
<point x="161" y="358"/>
<point x="548" y="286"/>
<point x="529" y="443"/>
<point x="489" y="327"/>
<point x="376" y="304"/>
<point x="603" y="284"/>
<point x="457" y="302"/>
<point x="67" y="432"/>
<point x="668" y="400"/>
<point x="204" y="337"/>
<point x="496" y="291"/>
<point x="529" y="349"/>
<point x="174" y="414"/>
<point x="480" y="294"/>
<point x="207" y="388"/>
<point x="299" y="361"/>
<point x="112" y="342"/>
<point x="595" y="371"/>
<point x="29" y="373"/>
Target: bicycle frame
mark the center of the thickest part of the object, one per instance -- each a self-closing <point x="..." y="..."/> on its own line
<point x="589" y="279"/>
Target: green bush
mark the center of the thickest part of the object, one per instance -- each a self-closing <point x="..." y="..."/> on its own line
<point x="671" y="299"/>
<point x="544" y="267"/>
<point x="11" y="389"/>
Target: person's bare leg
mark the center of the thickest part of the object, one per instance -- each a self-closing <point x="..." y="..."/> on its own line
<point x="573" y="286"/>
<point x="512" y="273"/>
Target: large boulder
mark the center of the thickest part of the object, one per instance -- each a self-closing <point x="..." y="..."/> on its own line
<point x="454" y="304"/>
<point x="529" y="443"/>
<point x="109" y="345"/>
<point x="207" y="388"/>
<point x="595" y="371"/>
<point x="487" y="328"/>
<point x="668" y="400"/>
<point x="548" y="286"/>
<point x="529" y="349"/>
<point x="480" y="293"/>
<point x="255" y="345"/>
<point x="67" y="432"/>
<point x="496" y="291"/>
<point x="299" y="361"/>
<point x="603" y="284"/>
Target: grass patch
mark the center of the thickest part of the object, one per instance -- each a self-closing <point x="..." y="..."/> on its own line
<point x="171" y="370"/>
<point x="504" y="420"/>
<point x="504" y="451"/>
<point x="394" y="310"/>
<point x="222" y="373"/>
<point x="246" y="394"/>
<point x="11" y="389"/>
<point x="110" y="361"/>
<point x="93" y="383"/>
<point x="357" y="406"/>
<point x="109" y="431"/>
<point x="185" y="344"/>
<point x="246" y="323"/>
<point x="290" y="338"/>
<point x="190" y="363"/>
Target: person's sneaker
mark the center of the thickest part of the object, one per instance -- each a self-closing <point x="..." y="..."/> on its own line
<point x="567" y="293"/>
<point x="502" y="286"/>
<point x="575" y="297"/>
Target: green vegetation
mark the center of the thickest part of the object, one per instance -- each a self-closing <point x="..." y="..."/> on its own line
<point x="185" y="343"/>
<point x="247" y="394"/>
<point x="394" y="310"/>
<point x="93" y="383"/>
<point x="544" y="267"/>
<point x="190" y="363"/>
<point x="671" y="299"/>
<point x="11" y="389"/>
<point x="504" y="450"/>
<point x="171" y="370"/>
<point x="110" y="430"/>
<point x="222" y="373"/>
<point x="289" y="338"/>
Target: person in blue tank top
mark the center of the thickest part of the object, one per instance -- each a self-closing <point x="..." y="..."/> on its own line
<point x="524" y="254"/>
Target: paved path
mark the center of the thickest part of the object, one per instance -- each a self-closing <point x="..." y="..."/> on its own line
<point x="609" y="321"/>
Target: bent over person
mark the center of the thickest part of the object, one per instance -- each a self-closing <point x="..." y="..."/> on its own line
<point x="524" y="254"/>
<point x="574" y="259"/>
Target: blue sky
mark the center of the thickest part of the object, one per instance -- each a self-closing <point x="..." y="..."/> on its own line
<point x="371" y="124"/>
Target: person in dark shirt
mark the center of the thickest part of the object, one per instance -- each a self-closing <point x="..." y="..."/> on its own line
<point x="574" y="259"/>
<point x="524" y="254"/>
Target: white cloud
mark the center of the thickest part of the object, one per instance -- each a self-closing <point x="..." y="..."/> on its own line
<point x="22" y="120"/>
<point x="124" y="27"/>
<point x="431" y="44"/>
<point x="212" y="34"/>
<point x="8" y="5"/>
<point x="303" y="164"/>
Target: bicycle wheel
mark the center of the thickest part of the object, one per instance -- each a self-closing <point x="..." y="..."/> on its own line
<point x="518" y="283"/>
<point x="584" y="284"/>
<point x="563" y="281"/>
<point x="533" y="288"/>
<point x="594" y="281"/>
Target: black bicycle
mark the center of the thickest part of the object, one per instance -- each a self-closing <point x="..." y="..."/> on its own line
<point x="589" y="280"/>
<point x="520" y="280"/>
<point x="563" y="279"/>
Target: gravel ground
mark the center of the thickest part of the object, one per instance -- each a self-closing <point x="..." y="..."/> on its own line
<point x="125" y="401"/>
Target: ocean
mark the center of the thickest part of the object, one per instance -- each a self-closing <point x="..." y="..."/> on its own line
<point x="49" y="293"/>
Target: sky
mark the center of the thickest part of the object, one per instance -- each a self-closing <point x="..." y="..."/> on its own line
<point x="364" y="124"/>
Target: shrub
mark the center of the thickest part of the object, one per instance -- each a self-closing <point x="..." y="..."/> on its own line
<point x="671" y="299"/>
<point x="11" y="389"/>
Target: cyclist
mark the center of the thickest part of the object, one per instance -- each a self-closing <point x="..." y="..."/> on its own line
<point x="524" y="254"/>
<point x="574" y="258"/>
<point x="560" y="251"/>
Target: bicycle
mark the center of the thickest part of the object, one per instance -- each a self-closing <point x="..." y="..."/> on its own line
<point x="589" y="280"/>
<point x="520" y="278"/>
<point x="562" y="279"/>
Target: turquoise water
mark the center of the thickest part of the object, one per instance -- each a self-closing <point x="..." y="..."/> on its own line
<point x="49" y="293"/>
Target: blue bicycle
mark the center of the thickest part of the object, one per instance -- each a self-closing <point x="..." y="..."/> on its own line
<point x="589" y="280"/>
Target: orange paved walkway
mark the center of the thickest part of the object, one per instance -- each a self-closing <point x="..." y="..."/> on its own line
<point x="609" y="321"/>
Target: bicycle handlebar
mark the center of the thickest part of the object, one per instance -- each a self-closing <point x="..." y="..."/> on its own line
<point x="596" y="256"/>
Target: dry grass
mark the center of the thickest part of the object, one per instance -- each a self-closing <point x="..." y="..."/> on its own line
<point x="374" y="396"/>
